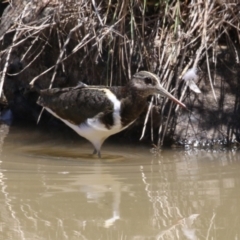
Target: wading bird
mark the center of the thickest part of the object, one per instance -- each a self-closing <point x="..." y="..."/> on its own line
<point x="97" y="112"/>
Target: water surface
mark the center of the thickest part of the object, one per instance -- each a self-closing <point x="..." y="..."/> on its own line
<point x="52" y="188"/>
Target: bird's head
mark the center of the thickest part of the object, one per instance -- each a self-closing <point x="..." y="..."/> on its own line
<point x="147" y="83"/>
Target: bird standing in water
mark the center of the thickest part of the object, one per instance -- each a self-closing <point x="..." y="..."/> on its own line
<point x="97" y="112"/>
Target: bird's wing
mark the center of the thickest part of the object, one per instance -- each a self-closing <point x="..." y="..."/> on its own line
<point x="76" y="104"/>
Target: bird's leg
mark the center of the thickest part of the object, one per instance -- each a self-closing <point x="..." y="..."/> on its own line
<point x="95" y="151"/>
<point x="97" y="146"/>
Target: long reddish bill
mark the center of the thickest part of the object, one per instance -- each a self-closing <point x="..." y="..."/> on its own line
<point x="165" y="93"/>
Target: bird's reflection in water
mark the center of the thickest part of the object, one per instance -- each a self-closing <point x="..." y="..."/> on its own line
<point x="95" y="184"/>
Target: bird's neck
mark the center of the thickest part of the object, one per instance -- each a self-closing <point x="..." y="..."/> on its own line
<point x="132" y="106"/>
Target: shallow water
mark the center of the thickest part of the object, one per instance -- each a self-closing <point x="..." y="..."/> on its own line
<point x="52" y="188"/>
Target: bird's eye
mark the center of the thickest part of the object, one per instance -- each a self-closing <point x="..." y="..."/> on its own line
<point x="148" y="81"/>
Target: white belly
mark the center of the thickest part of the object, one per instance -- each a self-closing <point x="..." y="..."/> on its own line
<point x="93" y="130"/>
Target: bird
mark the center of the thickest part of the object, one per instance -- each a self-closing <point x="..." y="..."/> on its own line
<point x="97" y="112"/>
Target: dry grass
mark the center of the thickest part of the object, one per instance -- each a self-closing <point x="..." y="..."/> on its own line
<point x="107" y="41"/>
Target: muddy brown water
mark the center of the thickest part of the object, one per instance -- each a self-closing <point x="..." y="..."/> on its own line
<point x="52" y="188"/>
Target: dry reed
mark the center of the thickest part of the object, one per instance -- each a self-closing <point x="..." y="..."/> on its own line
<point x="118" y="38"/>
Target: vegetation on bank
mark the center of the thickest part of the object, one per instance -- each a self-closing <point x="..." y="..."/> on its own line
<point x="58" y="43"/>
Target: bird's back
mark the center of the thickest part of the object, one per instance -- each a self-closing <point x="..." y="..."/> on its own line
<point x="77" y="104"/>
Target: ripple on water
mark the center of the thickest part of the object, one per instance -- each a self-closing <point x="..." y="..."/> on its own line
<point x="71" y="154"/>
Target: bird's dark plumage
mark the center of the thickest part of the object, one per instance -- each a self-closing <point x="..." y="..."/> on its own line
<point x="96" y="112"/>
<point x="76" y="104"/>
